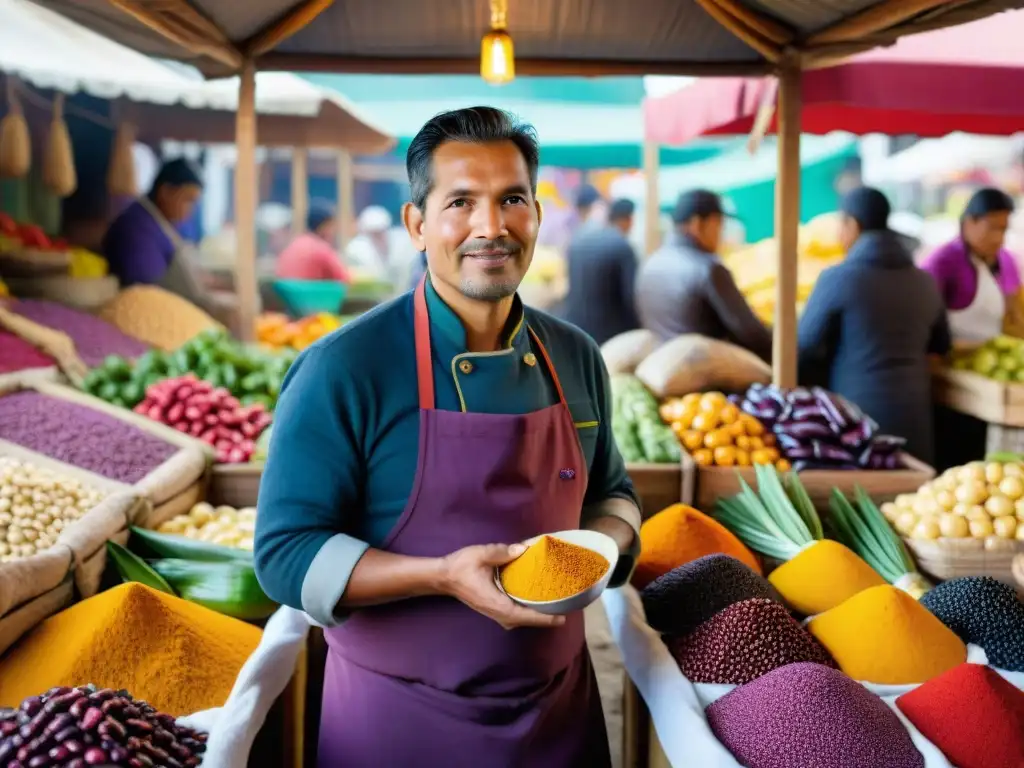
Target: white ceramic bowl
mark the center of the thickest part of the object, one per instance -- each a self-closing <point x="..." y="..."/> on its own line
<point x="597" y="542"/>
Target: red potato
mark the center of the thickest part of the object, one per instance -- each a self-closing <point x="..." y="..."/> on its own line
<point x="196" y="428"/>
<point x="237" y="456"/>
<point x="175" y="412"/>
<point x="212" y="419"/>
<point x="193" y="414"/>
<point x="156" y="413"/>
<point x="182" y="426"/>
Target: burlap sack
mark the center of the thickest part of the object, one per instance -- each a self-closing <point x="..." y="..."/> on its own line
<point x="24" y="580"/>
<point x="56" y="344"/>
<point x="23" y="619"/>
<point x="87" y="538"/>
<point x="153" y="517"/>
<point x="694" y="363"/>
<point x="623" y="353"/>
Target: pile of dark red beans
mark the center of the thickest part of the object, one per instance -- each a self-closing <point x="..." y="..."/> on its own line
<point x="86" y="726"/>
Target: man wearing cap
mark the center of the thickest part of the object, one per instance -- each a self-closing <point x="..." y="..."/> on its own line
<point x="602" y="275"/>
<point x="871" y="322"/>
<point x="684" y="287"/>
<point x="311" y="255"/>
<point x="977" y="276"/>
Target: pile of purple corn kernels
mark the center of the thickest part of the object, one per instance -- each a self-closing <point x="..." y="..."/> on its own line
<point x="79" y="727"/>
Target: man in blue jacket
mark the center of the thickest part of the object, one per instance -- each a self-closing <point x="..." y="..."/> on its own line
<point x="871" y="322"/>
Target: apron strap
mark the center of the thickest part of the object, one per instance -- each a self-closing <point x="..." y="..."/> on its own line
<point x="424" y="359"/>
<point x="421" y="330"/>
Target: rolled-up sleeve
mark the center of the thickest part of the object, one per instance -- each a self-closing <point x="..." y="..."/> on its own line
<point x="610" y="492"/>
<point x="310" y="489"/>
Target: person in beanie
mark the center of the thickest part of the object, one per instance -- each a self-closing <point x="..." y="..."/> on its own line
<point x="311" y="255"/>
<point x="685" y="288"/>
<point x="977" y="276"/>
<point x="872" y="321"/>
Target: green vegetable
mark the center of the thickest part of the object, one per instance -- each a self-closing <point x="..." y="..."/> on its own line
<point x="769" y="522"/>
<point x="133" y="568"/>
<point x="639" y="432"/>
<point x="166" y="545"/>
<point x="229" y="587"/>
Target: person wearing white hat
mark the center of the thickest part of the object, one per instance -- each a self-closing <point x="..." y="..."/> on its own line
<point x="374" y="252"/>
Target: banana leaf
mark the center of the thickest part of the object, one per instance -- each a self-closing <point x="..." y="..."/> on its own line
<point x="229" y="587"/>
<point x="131" y="567"/>
<point x="165" y="545"/>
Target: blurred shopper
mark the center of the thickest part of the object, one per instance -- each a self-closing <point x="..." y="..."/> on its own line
<point x="684" y="287"/>
<point x="602" y="275"/>
<point x="871" y="322"/>
<point x="381" y="251"/>
<point x="977" y="276"/>
<point x="311" y="255"/>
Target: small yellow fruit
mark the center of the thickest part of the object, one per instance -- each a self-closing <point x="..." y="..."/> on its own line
<point x="783" y="465"/>
<point x="954" y="526"/>
<point x="981" y="529"/>
<point x="754" y="428"/>
<point x="1012" y="488"/>
<point x="977" y="512"/>
<point x="703" y="458"/>
<point x="971" y="492"/>
<point x="925" y="506"/>
<point x="704" y="422"/>
<point x="729" y="414"/>
<point x="742" y="457"/>
<point x="692" y="439"/>
<point x="725" y="456"/>
<point x="905" y="501"/>
<point x="1005" y="527"/>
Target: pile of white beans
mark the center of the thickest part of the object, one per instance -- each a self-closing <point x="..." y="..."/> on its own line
<point x="223" y="525"/>
<point x="35" y="506"/>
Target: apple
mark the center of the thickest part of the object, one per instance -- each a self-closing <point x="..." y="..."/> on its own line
<point x="7" y="225"/>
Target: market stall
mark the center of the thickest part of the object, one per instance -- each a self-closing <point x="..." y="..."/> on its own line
<point x="749" y="42"/>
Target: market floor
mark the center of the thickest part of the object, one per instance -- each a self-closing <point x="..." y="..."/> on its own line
<point x="608" y="667"/>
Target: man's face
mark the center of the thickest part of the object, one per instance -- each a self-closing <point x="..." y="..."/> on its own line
<point x="849" y="231"/>
<point x="986" y="234"/>
<point x="176" y="202"/>
<point x="328" y="230"/>
<point x="624" y="224"/>
<point x="480" y="222"/>
<point x="706" y="230"/>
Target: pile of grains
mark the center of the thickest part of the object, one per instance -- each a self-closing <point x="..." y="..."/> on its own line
<point x="883" y="635"/>
<point x="822" y="576"/>
<point x="972" y="714"/>
<point x="159" y="318"/>
<point x="985" y="612"/>
<point x="684" y="598"/>
<point x="94" y="338"/>
<point x="80" y="436"/>
<point x="16" y="354"/>
<point x="176" y="655"/>
<point x="679" y="534"/>
<point x="810" y="715"/>
<point x="743" y="642"/>
<point x="552" y="569"/>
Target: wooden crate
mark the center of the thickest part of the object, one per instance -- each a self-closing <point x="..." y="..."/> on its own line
<point x="970" y="393"/>
<point x="714" y="483"/>
<point x="236" y="485"/>
<point x="661" y="485"/>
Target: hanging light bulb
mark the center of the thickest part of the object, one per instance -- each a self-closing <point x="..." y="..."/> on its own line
<point x="497" y="56"/>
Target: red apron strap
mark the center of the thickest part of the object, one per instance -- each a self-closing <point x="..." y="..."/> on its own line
<point x="549" y="364"/>
<point x="424" y="360"/>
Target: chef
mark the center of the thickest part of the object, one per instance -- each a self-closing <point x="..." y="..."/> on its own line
<point x="977" y="276"/>
<point x="143" y="246"/>
<point x="413" y="451"/>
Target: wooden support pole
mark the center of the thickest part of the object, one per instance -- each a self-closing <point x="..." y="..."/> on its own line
<point x="752" y="38"/>
<point x="787" y="224"/>
<point x="171" y="29"/>
<point x="346" y="203"/>
<point x="652" y="199"/>
<point x="246" y="286"/>
<point x="876" y="18"/>
<point x="300" y="189"/>
<point x="281" y="29"/>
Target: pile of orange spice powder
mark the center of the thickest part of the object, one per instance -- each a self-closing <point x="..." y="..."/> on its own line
<point x="552" y="569"/>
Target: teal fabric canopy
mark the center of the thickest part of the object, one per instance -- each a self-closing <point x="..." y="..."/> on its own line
<point x="584" y="123"/>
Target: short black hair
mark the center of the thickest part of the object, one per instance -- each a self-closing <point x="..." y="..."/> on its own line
<point x="988" y="200"/>
<point x="178" y="172"/>
<point x="621" y="209"/>
<point x="473" y="125"/>
<point x="868" y="207"/>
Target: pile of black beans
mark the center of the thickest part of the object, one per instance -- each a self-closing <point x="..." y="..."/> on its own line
<point x="79" y="727"/>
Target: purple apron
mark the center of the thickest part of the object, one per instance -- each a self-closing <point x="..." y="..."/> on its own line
<point x="429" y="682"/>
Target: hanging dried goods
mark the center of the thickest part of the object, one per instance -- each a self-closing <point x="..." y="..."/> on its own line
<point x="35" y="506"/>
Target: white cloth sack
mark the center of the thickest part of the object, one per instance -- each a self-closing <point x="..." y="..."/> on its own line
<point x="232" y="728"/>
<point x="677" y="705"/>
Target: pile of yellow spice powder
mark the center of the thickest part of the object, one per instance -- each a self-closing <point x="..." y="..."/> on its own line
<point x="552" y="569"/>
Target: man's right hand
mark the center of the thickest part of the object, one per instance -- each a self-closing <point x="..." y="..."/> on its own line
<point x="468" y="576"/>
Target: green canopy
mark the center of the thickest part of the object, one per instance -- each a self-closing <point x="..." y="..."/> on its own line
<point x="584" y="123"/>
<point x="748" y="181"/>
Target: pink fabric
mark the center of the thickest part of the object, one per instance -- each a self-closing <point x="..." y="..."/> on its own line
<point x="889" y="90"/>
<point x="309" y="257"/>
<point x="957" y="277"/>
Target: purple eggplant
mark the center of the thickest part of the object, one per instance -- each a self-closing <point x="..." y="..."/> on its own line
<point x="788" y="443"/>
<point x="832" y="409"/>
<point x="801" y="396"/>
<point x="800" y="452"/>
<point x="803" y="430"/>
<point x="736" y="400"/>
<point x="857" y="435"/>
<point x="894" y="461"/>
<point x="806" y="464"/>
<point x="825" y="452"/>
<point x="777" y="396"/>
<point x="887" y="444"/>
<point x="766" y="414"/>
<point x="809" y="413"/>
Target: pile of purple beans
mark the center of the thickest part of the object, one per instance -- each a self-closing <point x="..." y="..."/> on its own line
<point x="79" y="727"/>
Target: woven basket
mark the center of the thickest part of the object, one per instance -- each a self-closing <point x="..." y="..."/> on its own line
<point x="943" y="559"/>
<point x="29" y="263"/>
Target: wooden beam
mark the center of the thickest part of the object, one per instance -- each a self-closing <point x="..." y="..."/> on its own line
<point x="755" y="40"/>
<point x="767" y="28"/>
<point x="876" y="18"/>
<point x="787" y="224"/>
<point x="346" y="201"/>
<point x="173" y="31"/>
<point x="823" y="56"/>
<point x="246" y="285"/>
<point x="279" y="30"/>
<point x="652" y="198"/>
<point x="300" y="189"/>
<point x="288" y="62"/>
<point x="190" y="16"/>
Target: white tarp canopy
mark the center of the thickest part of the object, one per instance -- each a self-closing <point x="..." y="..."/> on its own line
<point x="933" y="158"/>
<point x="49" y="51"/>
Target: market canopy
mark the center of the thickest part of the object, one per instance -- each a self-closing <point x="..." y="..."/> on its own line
<point x="52" y="52"/>
<point x="958" y="79"/>
<point x="585" y="123"/>
<point x="551" y="36"/>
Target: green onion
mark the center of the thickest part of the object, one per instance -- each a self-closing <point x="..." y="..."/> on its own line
<point x="864" y="529"/>
<point x="804" y="506"/>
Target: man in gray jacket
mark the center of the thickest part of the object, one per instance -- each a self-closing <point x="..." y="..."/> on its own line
<point x="871" y="322"/>
<point x="684" y="287"/>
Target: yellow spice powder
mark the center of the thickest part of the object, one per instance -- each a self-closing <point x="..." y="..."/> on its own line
<point x="883" y="635"/>
<point x="552" y="569"/>
<point x="822" y="576"/>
